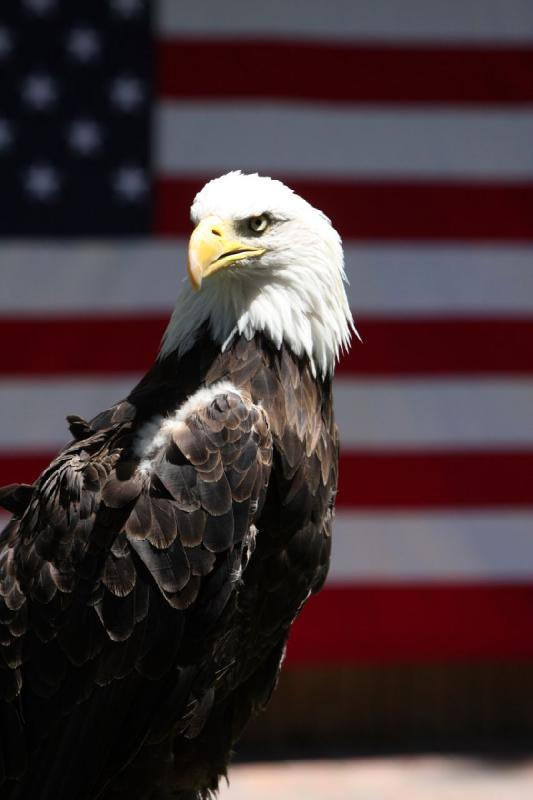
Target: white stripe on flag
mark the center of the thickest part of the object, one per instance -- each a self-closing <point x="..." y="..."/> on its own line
<point x="427" y="547"/>
<point x="395" y="280"/>
<point x="432" y="547"/>
<point x="93" y="277"/>
<point x="372" y="414"/>
<point x="442" y="414"/>
<point x="410" y="20"/>
<point x="338" y="141"/>
<point x="33" y="411"/>
<point x="409" y="280"/>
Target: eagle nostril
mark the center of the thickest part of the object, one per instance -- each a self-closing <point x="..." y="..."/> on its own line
<point x="216" y="232"/>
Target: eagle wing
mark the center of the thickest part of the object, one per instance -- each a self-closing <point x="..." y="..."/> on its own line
<point x="112" y="576"/>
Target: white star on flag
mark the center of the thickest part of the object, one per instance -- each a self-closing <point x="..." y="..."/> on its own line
<point x="6" y="135"/>
<point x="39" y="91"/>
<point x="84" y="136"/>
<point x="127" y="8"/>
<point x="83" y="44"/>
<point x="41" y="181"/>
<point x="40" y="7"/>
<point x="130" y="183"/>
<point x="126" y="93"/>
<point x="6" y="42"/>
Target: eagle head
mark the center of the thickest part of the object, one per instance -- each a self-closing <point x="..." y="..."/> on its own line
<point x="263" y="259"/>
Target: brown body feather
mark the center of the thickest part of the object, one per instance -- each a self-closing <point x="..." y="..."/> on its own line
<point x="144" y="615"/>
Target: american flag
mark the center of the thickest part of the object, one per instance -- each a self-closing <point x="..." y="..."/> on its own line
<point x="410" y="125"/>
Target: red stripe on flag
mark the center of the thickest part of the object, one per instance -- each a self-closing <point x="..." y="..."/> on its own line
<point x="414" y="480"/>
<point x="338" y="72"/>
<point x="114" y="345"/>
<point x="441" y="347"/>
<point x="425" y="623"/>
<point x="90" y="345"/>
<point x="23" y="467"/>
<point x="397" y="480"/>
<point x="396" y="210"/>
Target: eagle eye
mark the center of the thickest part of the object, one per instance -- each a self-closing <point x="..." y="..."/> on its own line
<point x="258" y="224"/>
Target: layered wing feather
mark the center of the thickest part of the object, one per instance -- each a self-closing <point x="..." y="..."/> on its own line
<point x="110" y="558"/>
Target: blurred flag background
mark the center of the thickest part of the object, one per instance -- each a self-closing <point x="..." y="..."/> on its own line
<point x="410" y="124"/>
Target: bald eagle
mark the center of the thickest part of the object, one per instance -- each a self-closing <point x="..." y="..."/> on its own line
<point x="150" y="576"/>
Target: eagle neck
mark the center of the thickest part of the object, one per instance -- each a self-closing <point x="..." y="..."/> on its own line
<point x="311" y="321"/>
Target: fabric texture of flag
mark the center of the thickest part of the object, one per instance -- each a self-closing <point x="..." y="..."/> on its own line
<point x="410" y="125"/>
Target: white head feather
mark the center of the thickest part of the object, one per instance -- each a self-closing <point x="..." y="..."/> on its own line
<point x="293" y="293"/>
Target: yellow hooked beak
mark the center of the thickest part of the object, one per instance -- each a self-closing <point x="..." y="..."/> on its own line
<point x="213" y="246"/>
